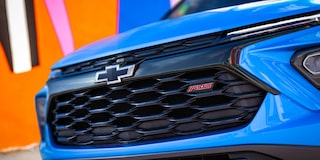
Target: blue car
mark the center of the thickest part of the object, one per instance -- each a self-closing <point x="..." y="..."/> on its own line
<point x="215" y="80"/>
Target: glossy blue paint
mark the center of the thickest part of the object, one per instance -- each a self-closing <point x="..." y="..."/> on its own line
<point x="140" y="12"/>
<point x="270" y="62"/>
<point x="278" y="116"/>
<point x="198" y="24"/>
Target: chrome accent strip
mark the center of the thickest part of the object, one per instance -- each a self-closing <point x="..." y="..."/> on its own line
<point x="273" y="27"/>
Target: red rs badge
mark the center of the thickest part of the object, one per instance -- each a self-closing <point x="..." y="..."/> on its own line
<point x="200" y="87"/>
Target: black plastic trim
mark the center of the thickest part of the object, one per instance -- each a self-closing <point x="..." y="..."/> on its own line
<point x="265" y="152"/>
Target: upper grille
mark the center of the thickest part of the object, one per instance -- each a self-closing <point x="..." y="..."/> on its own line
<point x="180" y="46"/>
<point x="153" y="108"/>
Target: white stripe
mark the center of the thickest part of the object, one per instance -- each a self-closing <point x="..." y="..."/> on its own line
<point x="173" y="3"/>
<point x="18" y="34"/>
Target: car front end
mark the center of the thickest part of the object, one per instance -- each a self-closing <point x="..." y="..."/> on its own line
<point x="239" y="82"/>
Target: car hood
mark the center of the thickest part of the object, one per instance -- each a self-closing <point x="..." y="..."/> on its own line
<point x="189" y="26"/>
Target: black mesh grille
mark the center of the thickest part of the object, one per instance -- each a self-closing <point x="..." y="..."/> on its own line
<point x="153" y="108"/>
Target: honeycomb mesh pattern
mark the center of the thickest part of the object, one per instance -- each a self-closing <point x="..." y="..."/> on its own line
<point x="153" y="108"/>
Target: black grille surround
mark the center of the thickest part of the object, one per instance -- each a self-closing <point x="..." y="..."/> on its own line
<point x="153" y="108"/>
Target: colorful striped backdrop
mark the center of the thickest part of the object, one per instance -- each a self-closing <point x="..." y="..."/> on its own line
<point x="36" y="33"/>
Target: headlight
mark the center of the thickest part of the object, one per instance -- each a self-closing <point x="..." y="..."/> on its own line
<point x="312" y="63"/>
<point x="55" y="74"/>
<point x="307" y="62"/>
<point x="40" y="101"/>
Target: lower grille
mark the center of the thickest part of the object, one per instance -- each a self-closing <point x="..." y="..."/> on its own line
<point x="225" y="156"/>
<point x="153" y="108"/>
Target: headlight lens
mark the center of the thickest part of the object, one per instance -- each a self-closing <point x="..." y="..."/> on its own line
<point x="312" y="63"/>
<point x="55" y="74"/>
<point x="40" y="101"/>
<point x="307" y="62"/>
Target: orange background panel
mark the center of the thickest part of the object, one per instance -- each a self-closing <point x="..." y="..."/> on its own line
<point x="91" y="20"/>
<point x="18" y="123"/>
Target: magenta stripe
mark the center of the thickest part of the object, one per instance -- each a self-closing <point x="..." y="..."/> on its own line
<point x="59" y="18"/>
